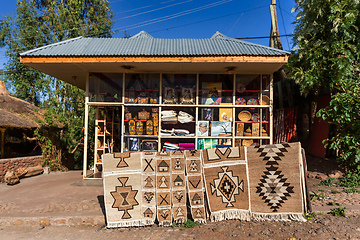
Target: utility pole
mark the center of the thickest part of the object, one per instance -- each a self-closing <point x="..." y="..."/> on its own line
<point x="275" y="41"/>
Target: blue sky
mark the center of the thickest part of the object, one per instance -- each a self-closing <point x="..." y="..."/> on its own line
<point x="193" y="18"/>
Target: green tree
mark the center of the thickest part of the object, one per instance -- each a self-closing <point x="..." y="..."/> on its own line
<point x="42" y="22"/>
<point x="326" y="59"/>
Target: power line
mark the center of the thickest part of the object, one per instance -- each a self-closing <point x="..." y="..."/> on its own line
<point x="287" y="40"/>
<point x="209" y="19"/>
<point x="172" y="16"/>
<point x="286" y="35"/>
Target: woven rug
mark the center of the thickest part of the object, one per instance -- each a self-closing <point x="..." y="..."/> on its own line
<point x="195" y="185"/>
<point x="178" y="187"/>
<point x="275" y="182"/>
<point x="226" y="182"/>
<point x="148" y="178"/>
<point x="163" y="188"/>
<point x="122" y="190"/>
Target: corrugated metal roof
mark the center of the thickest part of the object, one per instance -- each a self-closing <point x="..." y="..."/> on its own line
<point x="143" y="44"/>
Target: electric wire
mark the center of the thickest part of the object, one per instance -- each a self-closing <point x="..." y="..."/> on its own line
<point x="283" y="22"/>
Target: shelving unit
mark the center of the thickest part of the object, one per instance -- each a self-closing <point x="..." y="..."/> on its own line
<point x="149" y="95"/>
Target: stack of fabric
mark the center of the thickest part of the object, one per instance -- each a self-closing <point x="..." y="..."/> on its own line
<point x="170" y="146"/>
<point x="186" y="146"/>
<point x="169" y="115"/>
<point x="184" y="117"/>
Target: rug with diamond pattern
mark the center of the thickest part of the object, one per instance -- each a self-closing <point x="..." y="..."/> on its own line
<point x="275" y="181"/>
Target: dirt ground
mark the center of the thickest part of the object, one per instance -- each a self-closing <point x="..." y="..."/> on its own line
<point x="323" y="226"/>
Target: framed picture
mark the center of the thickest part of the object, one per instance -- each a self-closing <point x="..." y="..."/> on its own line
<point x="187" y="96"/>
<point x="211" y="93"/>
<point x="203" y="128"/>
<point x="170" y="96"/>
<point x="225" y="114"/>
<point x="208" y="143"/>
<point x="201" y="143"/>
<point x="149" y="145"/>
<point x="133" y="144"/>
<point x="220" y="128"/>
<point x="225" y="141"/>
<point x="207" y="114"/>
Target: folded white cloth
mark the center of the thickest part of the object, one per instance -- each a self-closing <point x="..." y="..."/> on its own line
<point x="184" y="117"/>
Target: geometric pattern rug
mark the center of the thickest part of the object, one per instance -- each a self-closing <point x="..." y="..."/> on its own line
<point x="275" y="181"/>
<point x="226" y="182"/>
<point x="248" y="183"/>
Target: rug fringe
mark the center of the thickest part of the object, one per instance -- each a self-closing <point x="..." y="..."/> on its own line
<point x="165" y="223"/>
<point x="278" y="217"/>
<point x="180" y="221"/>
<point x="230" y="215"/>
<point x="201" y="221"/>
<point x="137" y="223"/>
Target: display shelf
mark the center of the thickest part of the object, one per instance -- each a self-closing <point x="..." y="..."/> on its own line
<point x="252" y="122"/>
<point x="251" y="137"/>
<point x="141" y="136"/>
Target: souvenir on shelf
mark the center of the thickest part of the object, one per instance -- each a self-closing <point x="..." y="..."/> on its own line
<point x="131" y="95"/>
<point x="265" y="100"/>
<point x="128" y="116"/>
<point x="155" y="110"/>
<point x="149" y="145"/>
<point x="240" y="101"/>
<point x="170" y="96"/>
<point x="264" y="133"/>
<point x="244" y="116"/>
<point x="207" y="114"/>
<point x="149" y="127"/>
<point x="156" y="130"/>
<point x="247" y="132"/>
<point x="239" y="129"/>
<point x="253" y="101"/>
<point x="225" y="114"/>
<point x="255" y="144"/>
<point x="211" y="93"/>
<point x="247" y="142"/>
<point x="126" y="97"/>
<point x="154" y="96"/>
<point x="187" y="96"/>
<point x="142" y="98"/>
<point x="255" y="129"/>
<point x="155" y="117"/>
<point x="240" y="88"/>
<point x="139" y="128"/>
<point x="132" y="127"/>
<point x="255" y="117"/>
<point x="203" y="128"/>
<point x="143" y="115"/>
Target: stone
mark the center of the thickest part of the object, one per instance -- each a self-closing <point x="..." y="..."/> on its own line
<point x="336" y="174"/>
<point x="44" y="223"/>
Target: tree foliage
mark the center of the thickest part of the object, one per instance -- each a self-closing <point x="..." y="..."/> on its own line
<point x="42" y="22"/>
<point x="326" y="59"/>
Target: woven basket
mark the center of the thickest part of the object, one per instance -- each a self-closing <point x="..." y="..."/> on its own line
<point x="244" y="116"/>
<point x="265" y="100"/>
<point x="247" y="142"/>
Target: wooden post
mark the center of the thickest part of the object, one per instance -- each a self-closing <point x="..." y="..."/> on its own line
<point x="86" y="127"/>
<point x="2" y="142"/>
<point x="274" y="35"/>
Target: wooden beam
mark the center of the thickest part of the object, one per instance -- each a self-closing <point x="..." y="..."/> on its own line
<point x="2" y="142"/>
<point x="212" y="59"/>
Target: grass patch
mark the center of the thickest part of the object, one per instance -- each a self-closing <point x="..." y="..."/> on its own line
<point x="328" y="182"/>
<point x="333" y="204"/>
<point x="352" y="190"/>
<point x="352" y="179"/>
<point x="334" y="192"/>
<point x="310" y="215"/>
<point x="316" y="196"/>
<point x="188" y="224"/>
<point x="340" y="211"/>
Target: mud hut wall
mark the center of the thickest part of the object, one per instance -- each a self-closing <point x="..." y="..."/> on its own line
<point x="11" y="164"/>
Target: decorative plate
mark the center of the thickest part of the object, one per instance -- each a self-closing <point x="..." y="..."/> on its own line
<point x="255" y="144"/>
<point x="265" y="100"/>
<point x="240" y="88"/>
<point x="253" y="101"/>
<point x="255" y="117"/>
<point x="244" y="116"/>
<point x="240" y="101"/>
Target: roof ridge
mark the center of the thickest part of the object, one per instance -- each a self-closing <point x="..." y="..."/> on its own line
<point x="141" y="34"/>
<point x="53" y="44"/>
